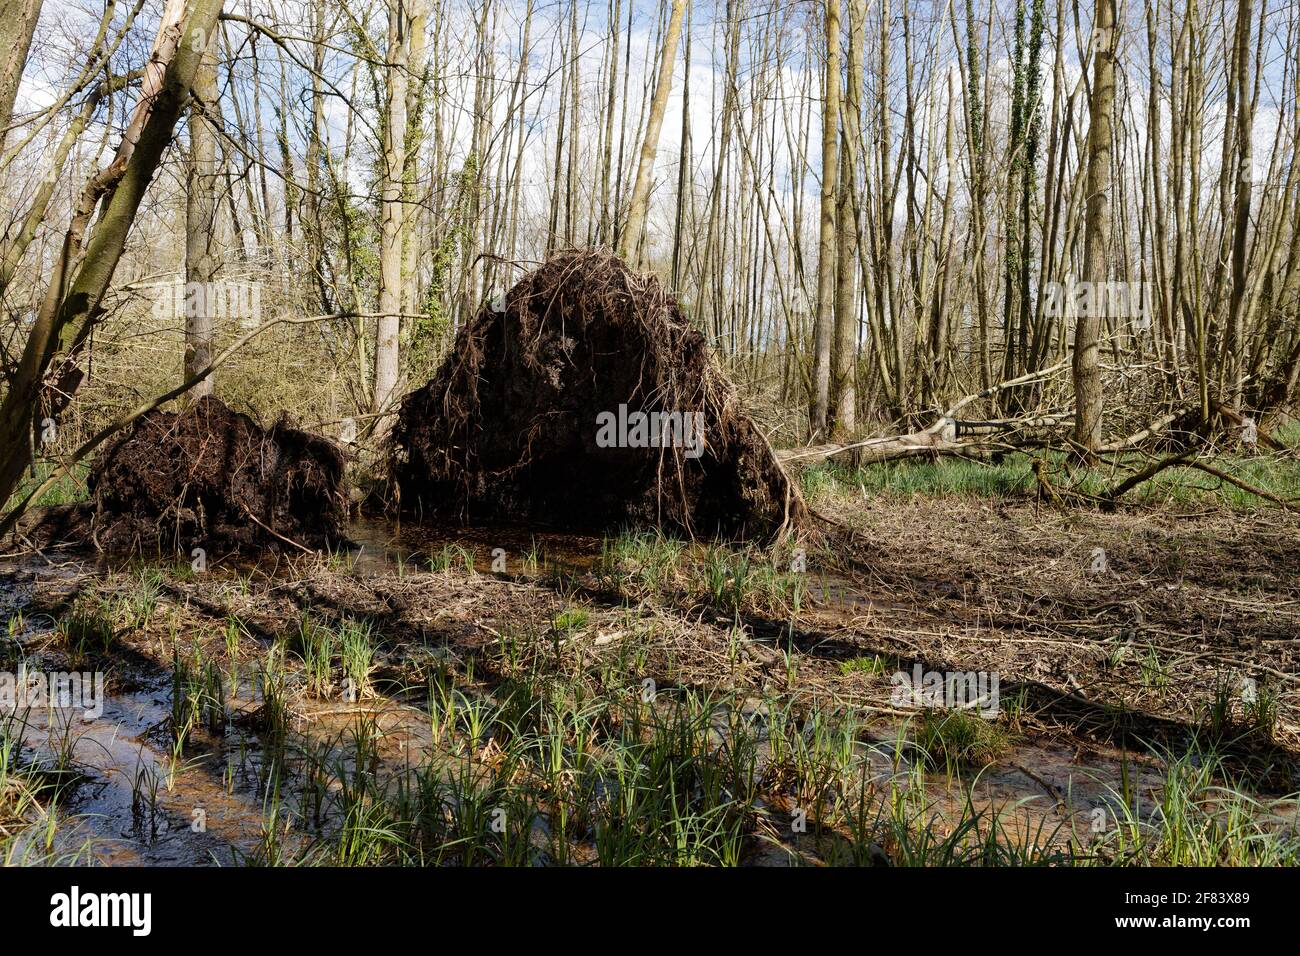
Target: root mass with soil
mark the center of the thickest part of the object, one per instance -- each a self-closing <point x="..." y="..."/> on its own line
<point x="508" y="428"/>
<point x="213" y="478"/>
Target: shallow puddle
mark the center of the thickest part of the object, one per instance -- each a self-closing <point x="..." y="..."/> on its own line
<point x="139" y="800"/>
<point x="383" y="545"/>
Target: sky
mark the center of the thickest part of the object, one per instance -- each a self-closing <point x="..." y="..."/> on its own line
<point x="67" y="25"/>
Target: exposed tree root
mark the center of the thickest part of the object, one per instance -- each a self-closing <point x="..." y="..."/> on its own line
<point x="510" y="427"/>
<point x="213" y="478"/>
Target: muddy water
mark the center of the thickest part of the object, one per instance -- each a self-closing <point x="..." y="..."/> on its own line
<point x="140" y="803"/>
<point x="383" y="545"/>
<point x="130" y="797"/>
<point x="132" y="801"/>
<point x="1054" y="783"/>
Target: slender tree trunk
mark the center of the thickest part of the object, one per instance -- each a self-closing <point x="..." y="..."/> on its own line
<point x="315" y="159"/>
<point x="639" y="202"/>
<point x="1096" y="230"/>
<point x="684" y="179"/>
<point x="1237" y="306"/>
<point x="414" y="139"/>
<point x="389" y="323"/>
<point x="611" y="98"/>
<point x="201" y="253"/>
<point x="18" y="20"/>
<point x="843" y="390"/>
<point x="823" y="325"/>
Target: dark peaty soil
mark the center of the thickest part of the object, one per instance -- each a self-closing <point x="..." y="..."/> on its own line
<point x="508" y="428"/>
<point x="213" y="478"/>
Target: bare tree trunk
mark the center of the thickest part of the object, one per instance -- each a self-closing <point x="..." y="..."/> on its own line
<point x="684" y="180"/>
<point x="17" y="26"/>
<point x="414" y="139"/>
<point x="389" y="324"/>
<point x="637" y="206"/>
<point x="1238" y="305"/>
<point x="200" y="226"/>
<point x="843" y="388"/>
<point x="825" y="318"/>
<point x="607" y="154"/>
<point x="1096" y="230"/>
<point x="575" y="89"/>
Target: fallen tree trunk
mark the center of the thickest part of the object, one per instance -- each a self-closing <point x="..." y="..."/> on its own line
<point x="874" y="450"/>
<point x="1187" y="459"/>
<point x="951" y="436"/>
<point x="941" y="438"/>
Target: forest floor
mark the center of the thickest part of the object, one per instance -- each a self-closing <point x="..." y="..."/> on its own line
<point x="513" y="696"/>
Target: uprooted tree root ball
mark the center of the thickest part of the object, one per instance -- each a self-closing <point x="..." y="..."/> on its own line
<point x="555" y="411"/>
<point x="210" y="477"/>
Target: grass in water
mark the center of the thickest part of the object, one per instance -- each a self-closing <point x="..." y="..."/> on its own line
<point x="548" y="771"/>
<point x="32" y="824"/>
<point x="452" y="557"/>
<point x="954" y="739"/>
<point x="356" y="643"/>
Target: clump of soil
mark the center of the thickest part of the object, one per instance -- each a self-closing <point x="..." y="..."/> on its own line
<point x="213" y="478"/>
<point x="510" y="428"/>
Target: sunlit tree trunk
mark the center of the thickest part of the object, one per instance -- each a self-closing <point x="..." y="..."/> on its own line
<point x="1096" y="230"/>
<point x="18" y="20"/>
<point x="845" y="355"/>
<point x="392" y="215"/>
<point x="201" y="247"/>
<point x="638" y="203"/>
<point x="823" y="325"/>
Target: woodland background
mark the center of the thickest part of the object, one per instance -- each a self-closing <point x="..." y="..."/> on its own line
<point x="864" y="204"/>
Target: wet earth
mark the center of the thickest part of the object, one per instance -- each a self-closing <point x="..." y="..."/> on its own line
<point x="133" y="796"/>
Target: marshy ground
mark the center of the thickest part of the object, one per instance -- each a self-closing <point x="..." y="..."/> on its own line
<point x="442" y="696"/>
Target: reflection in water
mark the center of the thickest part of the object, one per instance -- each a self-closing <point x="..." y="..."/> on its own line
<point x="381" y="545"/>
<point x="140" y="804"/>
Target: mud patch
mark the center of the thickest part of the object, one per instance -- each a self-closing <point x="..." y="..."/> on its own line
<point x="51" y="527"/>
